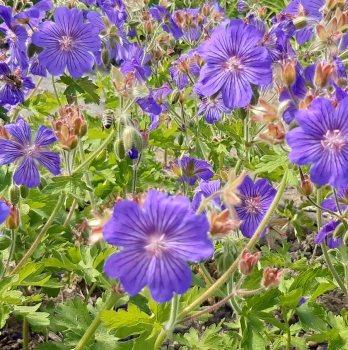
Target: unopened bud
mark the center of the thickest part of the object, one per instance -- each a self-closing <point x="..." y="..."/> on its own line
<point x="12" y="221"/>
<point x="131" y="137"/>
<point x="248" y="262"/>
<point x="145" y="137"/>
<point x="332" y="4"/>
<point x="271" y="277"/>
<point x="289" y="73"/>
<point x="300" y="22"/>
<point x="305" y="186"/>
<point x="24" y="191"/>
<point x="181" y="139"/>
<point x="174" y="96"/>
<point x="182" y="97"/>
<point x="14" y="194"/>
<point x="105" y="56"/>
<point x="340" y="230"/>
<point x="148" y="27"/>
<point x="119" y="149"/>
<point x="43" y="183"/>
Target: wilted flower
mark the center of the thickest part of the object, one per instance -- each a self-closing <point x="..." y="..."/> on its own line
<point x="234" y="61"/>
<point x="68" y="42"/>
<point x="271" y="277"/>
<point x="21" y="148"/>
<point x="248" y="262"/>
<point x="325" y="234"/>
<point x="157" y="241"/>
<point x="222" y="224"/>
<point x="322" y="140"/>
<point x="190" y="169"/>
<point x="256" y="199"/>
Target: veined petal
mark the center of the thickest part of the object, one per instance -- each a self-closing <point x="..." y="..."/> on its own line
<point x="10" y="151"/>
<point x="53" y="60"/>
<point x="27" y="173"/>
<point x="44" y="137"/>
<point x="20" y="131"/>
<point x="236" y="92"/>
<point x="130" y="266"/>
<point x="49" y="159"/>
<point x="167" y="275"/>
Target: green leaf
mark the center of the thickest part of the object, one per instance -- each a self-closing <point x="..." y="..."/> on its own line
<point x="66" y="184"/>
<point x="89" y="88"/>
<point x="291" y="299"/>
<point x="270" y="163"/>
<point x="324" y="286"/>
<point x="252" y="334"/>
<point x="5" y="312"/>
<point x="5" y="242"/>
<point x="312" y="316"/>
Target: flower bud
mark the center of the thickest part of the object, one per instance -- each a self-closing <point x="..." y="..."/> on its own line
<point x="182" y="97"/>
<point x="271" y="277"/>
<point x="145" y="138"/>
<point x="289" y="73"/>
<point x="222" y="224"/>
<point x="43" y="183"/>
<point x="148" y="27"/>
<point x="300" y="22"/>
<point x="339" y="231"/>
<point x="14" y="194"/>
<point x="345" y="238"/>
<point x="248" y="262"/>
<point x="323" y="72"/>
<point x="131" y="137"/>
<point x="119" y="149"/>
<point x="332" y="4"/>
<point x="105" y="56"/>
<point x="305" y="186"/>
<point x="174" y="96"/>
<point x="12" y="221"/>
<point x="181" y="139"/>
<point x="24" y="191"/>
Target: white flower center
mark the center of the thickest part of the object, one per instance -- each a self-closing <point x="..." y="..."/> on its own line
<point x="66" y="43"/>
<point x="232" y="64"/>
<point x="156" y="246"/>
<point x="252" y="204"/>
<point x="334" y="141"/>
<point x="11" y="36"/>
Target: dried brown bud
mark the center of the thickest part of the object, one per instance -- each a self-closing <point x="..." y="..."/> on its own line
<point x="12" y="221"/>
<point x="305" y="186"/>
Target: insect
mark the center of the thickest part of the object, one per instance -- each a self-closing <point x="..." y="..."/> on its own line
<point x="108" y="119"/>
<point x="14" y="79"/>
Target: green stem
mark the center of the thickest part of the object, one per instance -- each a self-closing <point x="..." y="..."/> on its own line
<point x="25" y="334"/>
<point x="94" y="285"/>
<point x="81" y="345"/>
<point x="254" y="239"/>
<point x="41" y="234"/>
<point x="10" y="254"/>
<point x="323" y="245"/>
<point x="71" y="212"/>
<point x="55" y="91"/>
<point x="94" y="154"/>
<point x="238" y="166"/>
<point x="87" y="179"/>
<point x="288" y="333"/>
<point x="173" y="313"/>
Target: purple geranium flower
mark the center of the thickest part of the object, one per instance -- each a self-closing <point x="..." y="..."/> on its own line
<point x="21" y="148"/>
<point x="157" y="241"/>
<point x="256" y="198"/>
<point x="16" y="36"/>
<point x="210" y="107"/>
<point x="4" y="211"/>
<point x="133" y="153"/>
<point x="328" y="230"/>
<point x="322" y="139"/>
<point x="233" y="62"/>
<point x="15" y="85"/>
<point x="33" y="16"/>
<point x="204" y="190"/>
<point x="342" y="197"/>
<point x="190" y="169"/>
<point x="167" y="22"/>
<point x="68" y="42"/>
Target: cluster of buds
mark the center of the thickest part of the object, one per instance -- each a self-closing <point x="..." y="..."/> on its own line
<point x="69" y="126"/>
<point x="187" y="20"/>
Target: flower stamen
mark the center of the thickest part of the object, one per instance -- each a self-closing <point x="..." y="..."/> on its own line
<point x="333" y="141"/>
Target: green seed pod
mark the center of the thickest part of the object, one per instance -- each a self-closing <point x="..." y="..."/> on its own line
<point x="105" y="56"/>
<point x="14" y="194"/>
<point x="181" y="139"/>
<point x="119" y="149"/>
<point x="31" y="49"/>
<point x="24" y="191"/>
<point x="339" y="231"/>
<point x="43" y="183"/>
<point x="174" y="96"/>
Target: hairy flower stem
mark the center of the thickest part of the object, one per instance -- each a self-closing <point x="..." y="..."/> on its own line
<point x="10" y="254"/>
<point x="238" y="166"/>
<point x="87" y="179"/>
<point x="71" y="212"/>
<point x="81" y="345"/>
<point x="41" y="234"/>
<point x="55" y="91"/>
<point x="323" y="245"/>
<point x="170" y="325"/>
<point x="249" y="246"/>
<point x="288" y="332"/>
<point x="95" y="153"/>
<point x="25" y="334"/>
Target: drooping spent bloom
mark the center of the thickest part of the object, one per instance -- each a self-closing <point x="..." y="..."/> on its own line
<point x="342" y="197"/>
<point x="158" y="239"/>
<point x="14" y="85"/>
<point x="68" y="42"/>
<point x="167" y="23"/>
<point x="234" y="61"/>
<point x="16" y="36"/>
<point x="325" y="234"/>
<point x="211" y="107"/>
<point x="21" y="148"/>
<point x="322" y="140"/>
<point x="256" y="198"/>
<point x="190" y="169"/>
<point x="183" y="69"/>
